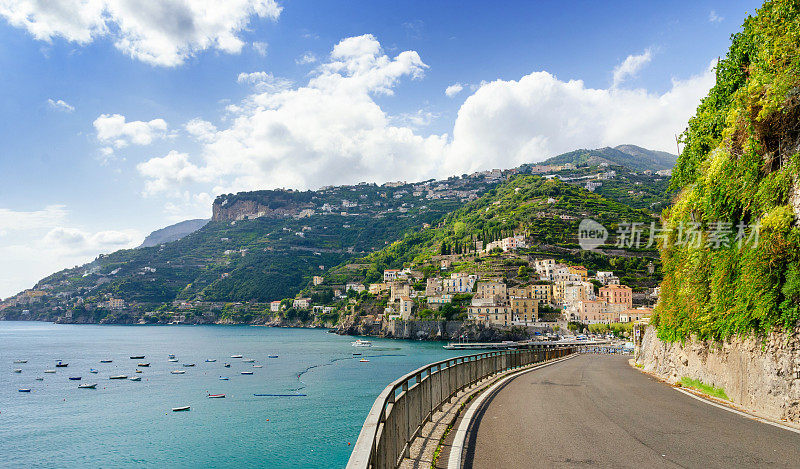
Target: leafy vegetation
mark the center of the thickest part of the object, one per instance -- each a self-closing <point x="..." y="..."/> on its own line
<point x="704" y="388"/>
<point x="739" y="167"/>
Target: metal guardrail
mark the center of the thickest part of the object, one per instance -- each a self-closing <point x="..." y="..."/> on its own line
<point x="404" y="406"/>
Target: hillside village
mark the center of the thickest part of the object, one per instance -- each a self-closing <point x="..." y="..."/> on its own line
<point x="286" y="257"/>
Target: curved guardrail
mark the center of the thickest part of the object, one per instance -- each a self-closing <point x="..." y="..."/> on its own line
<point x="404" y="406"/>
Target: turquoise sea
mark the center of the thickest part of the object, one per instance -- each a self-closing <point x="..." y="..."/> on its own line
<point x="130" y="424"/>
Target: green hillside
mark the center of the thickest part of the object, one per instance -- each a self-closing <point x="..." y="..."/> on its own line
<point x="546" y="210"/>
<point x="740" y="166"/>
<point x="630" y="156"/>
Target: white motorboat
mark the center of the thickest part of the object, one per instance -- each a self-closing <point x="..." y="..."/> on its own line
<point x="178" y="372"/>
<point x="361" y="343"/>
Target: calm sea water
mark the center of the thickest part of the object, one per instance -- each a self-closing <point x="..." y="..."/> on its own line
<point x="130" y="424"/>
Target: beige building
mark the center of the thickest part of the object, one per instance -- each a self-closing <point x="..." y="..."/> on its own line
<point x="492" y="289"/>
<point x="525" y="309"/>
<point x="275" y="306"/>
<point x="433" y="286"/>
<point x="318" y="280"/>
<point x="406" y="307"/>
<point x="520" y="292"/>
<point x="378" y="288"/>
<point x="579" y="270"/>
<point x="543" y="293"/>
<point x="399" y="289"/>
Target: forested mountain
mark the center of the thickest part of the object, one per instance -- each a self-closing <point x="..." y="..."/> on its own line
<point x="172" y="232"/>
<point x="630" y="156"/>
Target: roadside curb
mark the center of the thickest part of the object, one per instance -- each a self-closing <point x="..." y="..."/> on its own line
<point x="459" y="441"/>
<point x="719" y="403"/>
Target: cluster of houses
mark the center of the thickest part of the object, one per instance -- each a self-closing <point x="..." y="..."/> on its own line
<point x="555" y="287"/>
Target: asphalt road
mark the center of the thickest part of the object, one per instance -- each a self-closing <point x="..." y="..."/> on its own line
<point x="598" y="411"/>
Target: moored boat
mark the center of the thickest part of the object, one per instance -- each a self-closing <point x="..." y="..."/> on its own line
<point x="144" y="365"/>
<point x="227" y="365"/>
<point x="92" y="370"/>
<point x="177" y="372"/>
<point x="49" y="371"/>
<point x="216" y="396"/>
<point x="188" y="364"/>
<point x="248" y="360"/>
<point x="224" y="378"/>
<point x="135" y="378"/>
<point x="210" y="360"/>
<point x="20" y="361"/>
<point x="173" y="360"/>
<point x="236" y="356"/>
<point x="39" y="378"/>
<point x="180" y="409"/>
<point x="106" y="361"/>
<point x="171" y="355"/>
<point x="273" y="356"/>
<point x="363" y="360"/>
<point x="74" y="378"/>
<point x="118" y="377"/>
<point x="87" y="386"/>
<point x="24" y="390"/>
<point x="247" y="372"/>
<point x="137" y="357"/>
<point x="18" y="370"/>
<point x="258" y="366"/>
<point x="138" y="371"/>
<point x="61" y="364"/>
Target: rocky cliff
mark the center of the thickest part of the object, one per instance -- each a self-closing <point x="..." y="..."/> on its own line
<point x="270" y="204"/>
<point x="760" y="374"/>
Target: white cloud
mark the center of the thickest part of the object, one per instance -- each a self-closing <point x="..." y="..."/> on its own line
<point x="158" y="32"/>
<point x="331" y="130"/>
<point x="453" y="89"/>
<point x="713" y="17"/>
<point x="264" y="81"/>
<point x="200" y="129"/>
<point x="113" y="129"/>
<point x="36" y="243"/>
<point x="60" y="105"/>
<point x="631" y="66"/>
<point x="260" y="48"/>
<point x="307" y="58"/>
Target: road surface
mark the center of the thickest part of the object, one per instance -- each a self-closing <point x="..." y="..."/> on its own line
<point x="597" y="411"/>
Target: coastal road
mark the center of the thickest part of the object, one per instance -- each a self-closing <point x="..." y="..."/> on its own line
<point x="597" y="411"/>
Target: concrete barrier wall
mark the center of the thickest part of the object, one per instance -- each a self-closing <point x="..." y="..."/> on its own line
<point x="400" y="411"/>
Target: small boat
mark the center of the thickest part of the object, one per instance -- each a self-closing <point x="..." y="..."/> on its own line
<point x="210" y="360"/>
<point x="273" y="356"/>
<point x="356" y="353"/>
<point x="106" y="361"/>
<point x="172" y="360"/>
<point x="236" y="356"/>
<point x="224" y="378"/>
<point x="247" y="372"/>
<point x="75" y="378"/>
<point x="137" y="357"/>
<point x="20" y="361"/>
<point x="181" y="409"/>
<point x="216" y="396"/>
<point x="188" y="364"/>
<point x="361" y="343"/>
<point x="177" y="372"/>
<point x="227" y="365"/>
<point x="258" y="366"/>
<point x="18" y="370"/>
<point x="87" y="386"/>
<point x="117" y="377"/>
<point x="92" y="370"/>
<point x="49" y="371"/>
<point x="363" y="360"/>
<point x="25" y="390"/>
<point x="61" y="364"/>
<point x="171" y="356"/>
<point x="39" y="378"/>
<point x="135" y="378"/>
<point x="138" y="371"/>
<point x="248" y="360"/>
<point x="144" y="365"/>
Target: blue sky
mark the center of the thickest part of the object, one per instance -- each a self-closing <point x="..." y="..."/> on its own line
<point x="122" y="117"/>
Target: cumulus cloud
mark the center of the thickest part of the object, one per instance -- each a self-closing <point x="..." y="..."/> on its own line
<point x="158" y="32"/>
<point x="453" y="89"/>
<point x="264" y="81"/>
<point x="631" y="66"/>
<point x="60" y="105"/>
<point x="331" y="130"/>
<point x="114" y="130"/>
<point x="37" y="242"/>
